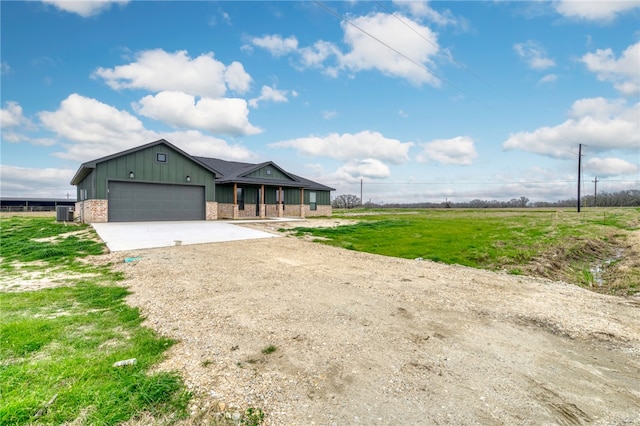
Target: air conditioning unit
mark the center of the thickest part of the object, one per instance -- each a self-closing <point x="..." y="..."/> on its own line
<point x="64" y="213"/>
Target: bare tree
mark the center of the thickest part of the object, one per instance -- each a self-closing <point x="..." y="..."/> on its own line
<point x="345" y="201"/>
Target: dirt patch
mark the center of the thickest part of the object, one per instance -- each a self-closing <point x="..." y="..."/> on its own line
<point x="85" y="234"/>
<point x="278" y="227"/>
<point x="23" y="279"/>
<point x="367" y="339"/>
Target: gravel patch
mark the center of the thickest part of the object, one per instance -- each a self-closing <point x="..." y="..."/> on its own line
<point x="357" y="338"/>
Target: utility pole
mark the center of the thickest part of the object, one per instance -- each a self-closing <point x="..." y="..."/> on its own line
<point x="579" y="171"/>
<point x="595" y="192"/>
<point x="361" y="202"/>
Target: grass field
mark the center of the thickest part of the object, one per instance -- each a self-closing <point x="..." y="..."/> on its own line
<point x="587" y="249"/>
<point x="58" y="345"/>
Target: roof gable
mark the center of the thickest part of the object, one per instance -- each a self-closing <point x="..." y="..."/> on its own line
<point x="248" y="173"/>
<point x="86" y="168"/>
<point x="269" y="171"/>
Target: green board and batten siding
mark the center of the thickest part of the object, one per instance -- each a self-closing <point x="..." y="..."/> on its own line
<point x="88" y="184"/>
<point x="146" y="169"/>
<point x="268" y="173"/>
<point x="323" y="198"/>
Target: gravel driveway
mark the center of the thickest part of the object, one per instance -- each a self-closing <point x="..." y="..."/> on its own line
<point x="367" y="339"/>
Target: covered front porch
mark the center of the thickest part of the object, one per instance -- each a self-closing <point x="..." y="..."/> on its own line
<point x="262" y="201"/>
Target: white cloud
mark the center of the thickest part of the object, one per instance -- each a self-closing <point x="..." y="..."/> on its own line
<point x="11" y="116"/>
<point x="534" y="54"/>
<point x="85" y="8"/>
<point x="94" y="129"/>
<point x="32" y="182"/>
<point x="328" y="115"/>
<point x="363" y="52"/>
<point x="89" y="120"/>
<point x="276" y="45"/>
<point x="367" y="53"/>
<point x="157" y="70"/>
<point x="316" y="55"/>
<point x="213" y="21"/>
<point x="547" y="79"/>
<point x="459" y="150"/>
<point x="220" y="116"/>
<point x="590" y="10"/>
<point x="13" y="137"/>
<point x="236" y="78"/>
<point x="269" y="94"/>
<point x="4" y="68"/>
<point x="195" y="143"/>
<point x="623" y="72"/>
<point x="421" y="9"/>
<point x="357" y="169"/>
<point x="347" y="147"/>
<point x="601" y="124"/>
<point x="607" y="167"/>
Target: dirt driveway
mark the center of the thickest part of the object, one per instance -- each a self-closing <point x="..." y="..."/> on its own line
<point x="366" y="339"/>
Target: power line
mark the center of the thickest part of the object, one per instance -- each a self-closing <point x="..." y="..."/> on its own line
<point x="555" y="182"/>
<point x="449" y="55"/>
<point x="413" y="61"/>
<point x="420" y="65"/>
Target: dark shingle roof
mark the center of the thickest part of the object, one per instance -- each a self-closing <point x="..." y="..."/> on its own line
<point x="235" y="171"/>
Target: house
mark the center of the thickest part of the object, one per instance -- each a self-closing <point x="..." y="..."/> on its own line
<point x="158" y="182"/>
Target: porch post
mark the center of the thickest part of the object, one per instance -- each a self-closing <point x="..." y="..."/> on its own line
<point x="302" y="209"/>
<point x="263" y="208"/>
<point x="235" y="193"/>
<point x="236" y="213"/>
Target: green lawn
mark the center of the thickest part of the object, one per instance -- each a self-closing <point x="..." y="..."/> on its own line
<point x="58" y="345"/>
<point x="517" y="241"/>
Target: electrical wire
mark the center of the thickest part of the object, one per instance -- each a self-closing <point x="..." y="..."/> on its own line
<point x="413" y="61"/>
<point x="421" y="66"/>
<point x="449" y="55"/>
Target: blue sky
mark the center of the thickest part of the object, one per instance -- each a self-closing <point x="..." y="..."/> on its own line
<point x="422" y="101"/>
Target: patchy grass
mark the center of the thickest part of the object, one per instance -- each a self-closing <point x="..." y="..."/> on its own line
<point x="557" y="244"/>
<point x="58" y="345"/>
<point x="269" y="349"/>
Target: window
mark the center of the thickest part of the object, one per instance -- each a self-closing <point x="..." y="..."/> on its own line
<point x="161" y="157"/>
<point x="240" y="196"/>
<point x="312" y="201"/>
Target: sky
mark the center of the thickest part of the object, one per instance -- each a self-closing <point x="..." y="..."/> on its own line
<point x="420" y="101"/>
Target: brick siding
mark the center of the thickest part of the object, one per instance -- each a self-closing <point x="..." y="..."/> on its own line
<point x="92" y="211"/>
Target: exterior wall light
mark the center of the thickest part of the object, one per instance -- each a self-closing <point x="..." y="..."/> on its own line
<point x="131" y="175"/>
<point x="188" y="178"/>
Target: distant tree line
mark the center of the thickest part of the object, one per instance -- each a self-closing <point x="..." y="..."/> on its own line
<point x="628" y="198"/>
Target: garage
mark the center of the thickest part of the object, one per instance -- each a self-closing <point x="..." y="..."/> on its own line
<point x="137" y="201"/>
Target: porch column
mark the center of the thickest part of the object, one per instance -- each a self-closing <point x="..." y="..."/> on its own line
<point x="236" y="213"/>
<point x="263" y="208"/>
<point x="280" y="202"/>
<point x="302" y="209"/>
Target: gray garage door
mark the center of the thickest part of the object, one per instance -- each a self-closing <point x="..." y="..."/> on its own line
<point x="136" y="202"/>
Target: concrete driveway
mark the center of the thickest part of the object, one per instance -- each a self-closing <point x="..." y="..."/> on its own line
<point x="121" y="236"/>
